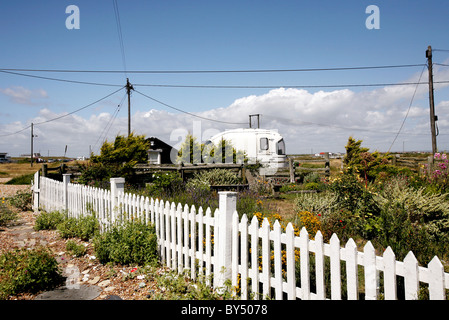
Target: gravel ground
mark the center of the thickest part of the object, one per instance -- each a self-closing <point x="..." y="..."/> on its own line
<point x="127" y="282"/>
<point x="10" y="190"/>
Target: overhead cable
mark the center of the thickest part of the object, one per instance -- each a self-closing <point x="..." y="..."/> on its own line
<point x="408" y="110"/>
<point x="189" y="113"/>
<point x="64" y="115"/>
<point x="220" y="71"/>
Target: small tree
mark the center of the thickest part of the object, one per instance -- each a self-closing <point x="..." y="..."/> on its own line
<point x="126" y="151"/>
<point x="190" y="151"/>
<point x="359" y="160"/>
<point x="116" y="158"/>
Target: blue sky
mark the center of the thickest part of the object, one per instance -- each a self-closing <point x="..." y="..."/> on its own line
<point x="223" y="35"/>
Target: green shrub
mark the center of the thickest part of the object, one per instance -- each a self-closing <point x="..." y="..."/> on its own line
<point x="323" y="203"/>
<point x="48" y="220"/>
<point x="312" y="186"/>
<point x="130" y="243"/>
<point x="85" y="227"/>
<point x="24" y="270"/>
<point x="78" y="250"/>
<point x="164" y="182"/>
<point x="21" y="200"/>
<point x="312" y="177"/>
<point x="180" y="287"/>
<point x="6" y="214"/>
<point x="420" y="205"/>
<point x="214" y="177"/>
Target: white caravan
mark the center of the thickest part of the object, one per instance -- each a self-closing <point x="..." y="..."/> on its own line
<point x="265" y="146"/>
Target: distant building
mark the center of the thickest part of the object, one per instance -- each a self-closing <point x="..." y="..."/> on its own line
<point x="159" y="152"/>
<point x="35" y="155"/>
<point x="4" y="158"/>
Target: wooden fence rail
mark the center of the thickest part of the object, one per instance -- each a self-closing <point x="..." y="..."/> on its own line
<point x="261" y="260"/>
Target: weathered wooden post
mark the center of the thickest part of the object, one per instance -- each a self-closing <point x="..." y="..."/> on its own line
<point x="65" y="182"/>
<point x="430" y="164"/>
<point x="227" y="206"/>
<point x="44" y="170"/>
<point x="36" y="191"/>
<point x="292" y="170"/>
<point x="327" y="164"/>
<point x="117" y="186"/>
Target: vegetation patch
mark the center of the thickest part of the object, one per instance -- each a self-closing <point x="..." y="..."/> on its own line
<point x="85" y="227"/>
<point x="130" y="243"/>
<point x="28" y="270"/>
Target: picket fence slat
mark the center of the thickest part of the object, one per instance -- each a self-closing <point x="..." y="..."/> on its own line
<point x="264" y="258"/>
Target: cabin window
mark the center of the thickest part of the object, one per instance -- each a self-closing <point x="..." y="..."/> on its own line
<point x="263" y="143"/>
<point x="280" y="147"/>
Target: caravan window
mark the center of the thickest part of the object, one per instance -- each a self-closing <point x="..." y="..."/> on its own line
<point x="280" y="147"/>
<point x="263" y="143"/>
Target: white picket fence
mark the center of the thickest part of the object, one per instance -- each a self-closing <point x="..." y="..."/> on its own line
<point x="260" y="260"/>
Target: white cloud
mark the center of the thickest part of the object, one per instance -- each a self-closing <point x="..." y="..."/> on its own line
<point x="309" y="121"/>
<point x="25" y="96"/>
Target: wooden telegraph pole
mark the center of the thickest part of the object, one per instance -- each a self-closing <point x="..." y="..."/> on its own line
<point x="129" y="87"/>
<point x="433" y="117"/>
<point x="31" y="156"/>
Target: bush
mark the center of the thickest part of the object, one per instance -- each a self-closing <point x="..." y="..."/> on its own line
<point x="6" y="214"/>
<point x="205" y="179"/>
<point x="27" y="270"/>
<point x="323" y="203"/>
<point x="85" y="227"/>
<point x="48" y="220"/>
<point x="21" y="200"/>
<point x="131" y="243"/>
<point x="78" y="250"/>
<point x="164" y="182"/>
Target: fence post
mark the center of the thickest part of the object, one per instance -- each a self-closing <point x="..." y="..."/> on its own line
<point x="117" y="185"/>
<point x="65" y="182"/>
<point x="36" y="191"/>
<point x="292" y="170"/>
<point x="327" y="164"/>
<point x="227" y="206"/>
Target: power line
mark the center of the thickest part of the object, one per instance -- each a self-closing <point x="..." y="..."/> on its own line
<point x="62" y="80"/>
<point x="110" y="122"/>
<point x="284" y="86"/>
<point x="191" y="114"/>
<point x="219" y="71"/>
<point x="65" y="115"/>
<point x="408" y="110"/>
<point x="225" y="86"/>
<point x="441" y="64"/>
<point x="82" y="108"/>
<point x="13" y="133"/>
<point x="327" y="125"/>
<point x="120" y="35"/>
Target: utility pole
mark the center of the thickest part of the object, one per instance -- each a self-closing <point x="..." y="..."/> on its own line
<point x="433" y="117"/>
<point x="129" y="87"/>
<point x="32" y="136"/>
